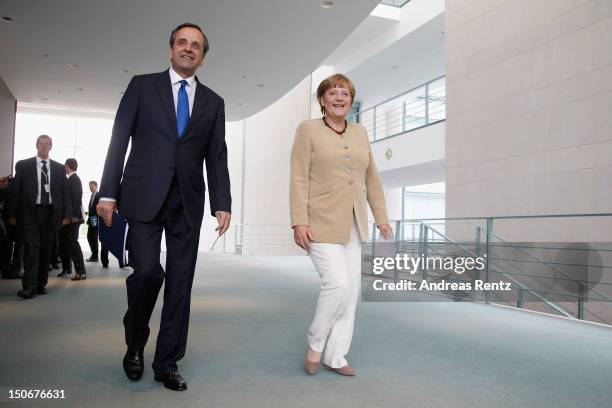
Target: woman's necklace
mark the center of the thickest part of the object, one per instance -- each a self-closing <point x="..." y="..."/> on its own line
<point x="341" y="132"/>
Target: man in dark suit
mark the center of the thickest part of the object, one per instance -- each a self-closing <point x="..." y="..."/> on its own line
<point x="175" y="124"/>
<point x="40" y="202"/>
<point x="92" y="222"/>
<point x="70" y="249"/>
<point x="11" y="252"/>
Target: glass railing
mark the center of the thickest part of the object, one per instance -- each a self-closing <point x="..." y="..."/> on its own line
<point x="566" y="278"/>
<point x="416" y="108"/>
<point x="395" y="3"/>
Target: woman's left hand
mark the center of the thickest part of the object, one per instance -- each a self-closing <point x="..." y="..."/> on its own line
<point x="386" y="231"/>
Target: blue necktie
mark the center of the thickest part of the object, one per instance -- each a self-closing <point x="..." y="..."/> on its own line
<point x="182" y="109"/>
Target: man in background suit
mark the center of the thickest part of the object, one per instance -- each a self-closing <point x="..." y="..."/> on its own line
<point x="39" y="200"/>
<point x="92" y="222"/>
<point x="93" y="230"/>
<point x="11" y="252"/>
<point x="175" y="124"/>
<point x="70" y="249"/>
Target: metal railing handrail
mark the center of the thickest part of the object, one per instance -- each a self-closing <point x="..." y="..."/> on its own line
<point x="548" y="264"/>
<point x="509" y="217"/>
<point x="494" y="240"/>
<point x="548" y="303"/>
<point x="395" y="97"/>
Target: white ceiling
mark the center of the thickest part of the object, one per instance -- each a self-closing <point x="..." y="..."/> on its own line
<point x="411" y="61"/>
<point x="369" y="28"/>
<point x="273" y="43"/>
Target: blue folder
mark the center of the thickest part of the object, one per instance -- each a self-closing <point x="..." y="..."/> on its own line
<point x="114" y="238"/>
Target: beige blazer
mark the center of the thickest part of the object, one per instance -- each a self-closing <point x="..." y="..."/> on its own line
<point x="332" y="177"/>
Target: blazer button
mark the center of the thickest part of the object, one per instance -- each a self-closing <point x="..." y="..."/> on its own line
<point x="345" y="147"/>
<point x="350" y="182"/>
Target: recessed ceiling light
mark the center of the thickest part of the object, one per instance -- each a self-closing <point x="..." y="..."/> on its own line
<point x="125" y="71"/>
<point x="46" y="55"/>
<point x="73" y="66"/>
<point x="5" y="19"/>
<point x="59" y="91"/>
<point x="260" y="85"/>
<point x="244" y="77"/>
<point x="239" y="104"/>
<point x="327" y="4"/>
<point x="394" y="67"/>
<point x="79" y="89"/>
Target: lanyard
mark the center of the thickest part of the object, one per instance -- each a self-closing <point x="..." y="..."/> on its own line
<point x="45" y="173"/>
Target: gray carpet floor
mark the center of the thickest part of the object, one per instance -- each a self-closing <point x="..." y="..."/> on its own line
<point x="247" y="340"/>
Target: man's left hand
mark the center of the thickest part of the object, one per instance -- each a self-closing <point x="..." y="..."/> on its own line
<point x="223" y="218"/>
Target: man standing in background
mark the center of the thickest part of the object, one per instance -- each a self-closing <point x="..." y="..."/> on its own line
<point x="11" y="251"/>
<point x="39" y="201"/>
<point x="92" y="222"/>
<point x="70" y="249"/>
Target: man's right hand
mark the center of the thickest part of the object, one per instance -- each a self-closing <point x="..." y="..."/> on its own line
<point x="105" y="210"/>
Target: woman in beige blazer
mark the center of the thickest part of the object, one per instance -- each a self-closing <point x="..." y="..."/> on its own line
<point x="333" y="178"/>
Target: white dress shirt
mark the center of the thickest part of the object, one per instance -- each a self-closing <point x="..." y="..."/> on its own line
<point x="176" y="79"/>
<point x="39" y="165"/>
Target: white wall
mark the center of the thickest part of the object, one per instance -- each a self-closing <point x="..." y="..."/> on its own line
<point x="529" y="129"/>
<point x="420" y="146"/>
<point x="269" y="138"/>
<point x="259" y="151"/>
<point x="7" y="129"/>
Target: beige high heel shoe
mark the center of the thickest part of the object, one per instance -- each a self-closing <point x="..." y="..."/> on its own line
<point x="347" y="370"/>
<point x="311" y="367"/>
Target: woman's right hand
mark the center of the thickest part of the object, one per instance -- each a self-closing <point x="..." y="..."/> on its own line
<point x="302" y="236"/>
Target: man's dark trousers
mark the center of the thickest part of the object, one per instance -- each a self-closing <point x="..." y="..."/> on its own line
<point x="70" y="249"/>
<point x="144" y="283"/>
<point x="38" y="236"/>
<point x="92" y="239"/>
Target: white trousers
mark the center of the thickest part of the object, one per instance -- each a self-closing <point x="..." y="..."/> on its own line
<point x="339" y="267"/>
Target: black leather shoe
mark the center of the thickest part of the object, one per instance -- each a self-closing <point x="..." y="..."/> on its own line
<point x="41" y="291"/>
<point x="26" y="294"/>
<point x="105" y="265"/>
<point x="173" y="381"/>
<point x="55" y="266"/>
<point x="79" y="277"/>
<point x="63" y="273"/>
<point x="91" y="259"/>
<point x="133" y="365"/>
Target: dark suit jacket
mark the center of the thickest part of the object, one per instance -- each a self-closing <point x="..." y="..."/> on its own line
<point x="75" y="190"/>
<point x="147" y="115"/>
<point x="92" y="211"/>
<point x="25" y="187"/>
